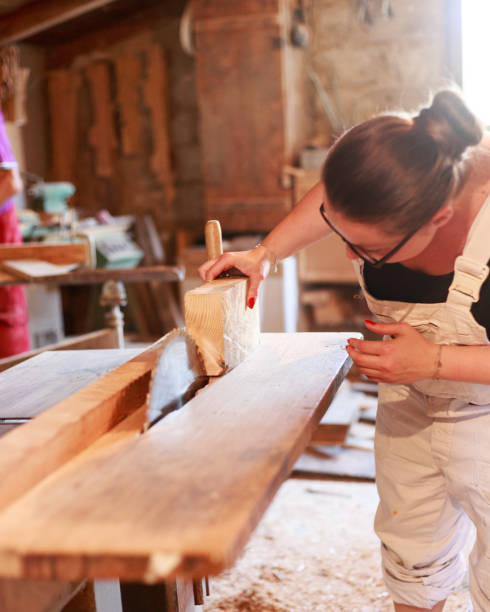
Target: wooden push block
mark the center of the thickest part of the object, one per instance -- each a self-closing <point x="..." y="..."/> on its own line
<point x="217" y="316"/>
<point x="224" y="328"/>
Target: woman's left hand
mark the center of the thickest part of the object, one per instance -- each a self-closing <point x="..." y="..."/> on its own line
<point x="406" y="358"/>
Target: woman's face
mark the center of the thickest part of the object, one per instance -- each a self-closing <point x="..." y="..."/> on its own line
<point x="376" y="242"/>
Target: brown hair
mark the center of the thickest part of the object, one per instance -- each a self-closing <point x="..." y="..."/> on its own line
<point x="400" y="171"/>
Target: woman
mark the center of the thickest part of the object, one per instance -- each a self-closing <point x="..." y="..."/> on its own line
<point x="14" y="326"/>
<point x="410" y="199"/>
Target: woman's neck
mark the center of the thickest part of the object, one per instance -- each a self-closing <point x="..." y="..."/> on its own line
<point x="449" y="240"/>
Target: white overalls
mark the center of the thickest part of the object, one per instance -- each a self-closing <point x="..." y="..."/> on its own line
<point x="433" y="449"/>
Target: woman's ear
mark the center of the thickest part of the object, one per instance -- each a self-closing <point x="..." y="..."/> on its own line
<point x="442" y="216"/>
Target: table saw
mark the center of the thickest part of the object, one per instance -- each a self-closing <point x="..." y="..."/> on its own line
<point x="85" y="495"/>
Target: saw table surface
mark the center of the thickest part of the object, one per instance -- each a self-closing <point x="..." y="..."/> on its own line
<point x="182" y="498"/>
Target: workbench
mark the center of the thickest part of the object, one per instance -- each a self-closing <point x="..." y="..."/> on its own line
<point x="86" y="495"/>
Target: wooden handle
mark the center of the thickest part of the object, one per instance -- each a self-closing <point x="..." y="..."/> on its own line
<point x="212" y="233"/>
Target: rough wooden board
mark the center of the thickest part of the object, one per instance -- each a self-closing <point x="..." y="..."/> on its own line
<point x="156" y="90"/>
<point x="183" y="498"/>
<point x="38" y="384"/>
<point x="224" y="328"/>
<point x="128" y="77"/>
<point x="336" y="463"/>
<point x="35" y="450"/>
<point x="63" y="90"/>
<point x="102" y="135"/>
<point x="101" y="339"/>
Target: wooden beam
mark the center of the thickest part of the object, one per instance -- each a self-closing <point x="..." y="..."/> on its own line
<point x="182" y="499"/>
<point x="224" y="328"/>
<point x="37" y="16"/>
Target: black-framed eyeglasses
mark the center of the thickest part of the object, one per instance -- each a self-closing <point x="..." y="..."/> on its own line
<point x="359" y="251"/>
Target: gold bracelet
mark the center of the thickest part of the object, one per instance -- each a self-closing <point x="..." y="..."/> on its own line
<point x="438" y="363"/>
<point x="274" y="260"/>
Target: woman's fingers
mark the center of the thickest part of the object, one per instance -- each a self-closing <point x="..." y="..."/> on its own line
<point x="203" y="269"/>
<point x="371" y="347"/>
<point x="362" y="360"/>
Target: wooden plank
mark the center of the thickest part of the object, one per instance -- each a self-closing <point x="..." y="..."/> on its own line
<point x="219" y="320"/>
<point x="55" y="253"/>
<point x="102" y="134"/>
<point x="35" y="385"/>
<point x="41" y="15"/>
<point x="36" y="449"/>
<point x="156" y="93"/>
<point x="89" y="276"/>
<point x="128" y="76"/>
<point x="63" y="92"/>
<point x="182" y="499"/>
<point x="101" y="339"/>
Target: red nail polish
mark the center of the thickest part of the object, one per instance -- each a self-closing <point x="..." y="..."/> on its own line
<point x="369" y="322"/>
<point x="251" y="303"/>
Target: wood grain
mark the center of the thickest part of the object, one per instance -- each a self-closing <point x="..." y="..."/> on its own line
<point x="156" y="91"/>
<point x="33" y="451"/>
<point x="63" y="92"/>
<point x="224" y="328"/>
<point x="102" y="135"/>
<point x="128" y="77"/>
<point x="38" y="384"/>
<point x="183" y="498"/>
<point x="101" y="339"/>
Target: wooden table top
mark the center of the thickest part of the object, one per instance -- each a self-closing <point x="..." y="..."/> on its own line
<point x="182" y="498"/>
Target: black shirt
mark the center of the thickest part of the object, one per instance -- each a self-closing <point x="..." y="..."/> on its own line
<point x="394" y="282"/>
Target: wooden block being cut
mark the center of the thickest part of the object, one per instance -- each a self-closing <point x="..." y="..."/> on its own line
<point x="224" y="328"/>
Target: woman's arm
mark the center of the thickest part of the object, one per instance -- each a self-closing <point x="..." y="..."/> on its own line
<point x="409" y="357"/>
<point x="302" y="227"/>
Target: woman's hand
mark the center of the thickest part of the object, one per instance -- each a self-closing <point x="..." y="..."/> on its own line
<point x="255" y="264"/>
<point x="406" y="358"/>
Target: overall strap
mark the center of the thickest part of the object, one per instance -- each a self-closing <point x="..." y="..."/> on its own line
<point x="470" y="268"/>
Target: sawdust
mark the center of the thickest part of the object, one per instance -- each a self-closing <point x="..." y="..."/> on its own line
<point x="314" y="550"/>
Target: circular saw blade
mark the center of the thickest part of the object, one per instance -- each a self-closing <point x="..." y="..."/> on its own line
<point x="177" y="375"/>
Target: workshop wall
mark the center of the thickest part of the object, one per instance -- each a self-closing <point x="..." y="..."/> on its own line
<point x="123" y="123"/>
<point x="374" y="55"/>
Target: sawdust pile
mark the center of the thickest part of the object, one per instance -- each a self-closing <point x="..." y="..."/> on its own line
<point x="314" y="551"/>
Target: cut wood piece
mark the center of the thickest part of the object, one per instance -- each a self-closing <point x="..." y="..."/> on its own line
<point x="38" y="448"/>
<point x="224" y="328"/>
<point x="161" y="505"/>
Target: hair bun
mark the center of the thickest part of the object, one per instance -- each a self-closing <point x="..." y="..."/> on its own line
<point x="450" y="124"/>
